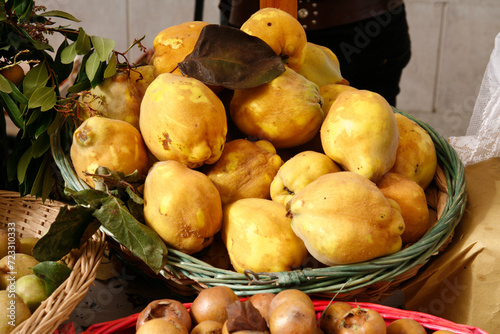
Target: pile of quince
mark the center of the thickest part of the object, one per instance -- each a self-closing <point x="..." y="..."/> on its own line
<point x="301" y="169"/>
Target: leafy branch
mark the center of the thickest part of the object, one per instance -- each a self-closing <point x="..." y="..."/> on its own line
<point x="35" y="104"/>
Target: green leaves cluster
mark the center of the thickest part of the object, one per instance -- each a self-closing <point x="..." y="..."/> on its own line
<point x="99" y="60"/>
<point x="36" y="106"/>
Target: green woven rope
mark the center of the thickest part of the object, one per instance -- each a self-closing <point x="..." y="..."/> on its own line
<point x="331" y="280"/>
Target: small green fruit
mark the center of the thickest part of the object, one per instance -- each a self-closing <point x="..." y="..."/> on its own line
<point x="32" y="290"/>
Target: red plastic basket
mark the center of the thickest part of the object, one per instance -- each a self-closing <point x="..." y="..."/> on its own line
<point x="127" y="325"/>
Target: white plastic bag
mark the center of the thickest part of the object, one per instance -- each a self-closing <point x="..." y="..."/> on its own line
<point x="482" y="140"/>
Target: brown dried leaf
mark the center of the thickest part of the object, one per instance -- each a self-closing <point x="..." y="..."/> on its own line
<point x="244" y="316"/>
<point x="229" y="57"/>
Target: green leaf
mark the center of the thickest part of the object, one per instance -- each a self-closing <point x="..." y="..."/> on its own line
<point x="44" y="97"/>
<point x="5" y="85"/>
<point x="22" y="9"/>
<point x="103" y="46"/>
<point x="48" y="184"/>
<point x="68" y="54"/>
<point x="141" y="240"/>
<point x="62" y="70"/>
<point x="53" y="273"/>
<point x="82" y="44"/>
<point x="92" y="65"/>
<point x="87" y="197"/>
<point x="3" y="13"/>
<point x="61" y="14"/>
<point x="229" y="57"/>
<point x="64" y="234"/>
<point x="18" y="6"/>
<point x="99" y="75"/>
<point x="34" y="114"/>
<point x="16" y="40"/>
<point x="54" y="125"/>
<point x="107" y="179"/>
<point x="12" y="110"/>
<point x="42" y="124"/>
<point x="81" y="86"/>
<point x="41" y="145"/>
<point x="68" y="32"/>
<point x="22" y="165"/>
<point x="36" y="77"/>
<point x="82" y="82"/>
<point x="135" y="197"/>
<point x="37" y="186"/>
<point x="17" y="95"/>
<point x="39" y="45"/>
<point x="111" y="68"/>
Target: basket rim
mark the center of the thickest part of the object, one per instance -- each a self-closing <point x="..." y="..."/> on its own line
<point x="338" y="279"/>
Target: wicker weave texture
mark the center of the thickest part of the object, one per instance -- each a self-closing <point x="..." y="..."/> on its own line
<point x="33" y="218"/>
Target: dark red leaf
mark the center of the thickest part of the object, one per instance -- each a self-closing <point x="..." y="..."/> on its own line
<point x="229" y="57"/>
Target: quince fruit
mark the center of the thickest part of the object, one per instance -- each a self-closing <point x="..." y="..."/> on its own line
<point x="258" y="237"/>
<point x="116" y="97"/>
<point x="321" y="66"/>
<point x="282" y="32"/>
<point x="182" y="205"/>
<point x="21" y="267"/>
<point x="141" y="77"/>
<point x="27" y="244"/>
<point x="13" y="311"/>
<point x="416" y="154"/>
<point x="173" y="44"/>
<point x="299" y="171"/>
<point x="245" y="169"/>
<point x="330" y="92"/>
<point x="107" y="142"/>
<point x="8" y="240"/>
<point x="344" y="218"/>
<point x="183" y="120"/>
<point x="361" y="134"/>
<point x="412" y="201"/>
<point x="285" y="111"/>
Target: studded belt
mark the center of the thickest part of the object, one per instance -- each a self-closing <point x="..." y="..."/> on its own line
<point x="320" y="14"/>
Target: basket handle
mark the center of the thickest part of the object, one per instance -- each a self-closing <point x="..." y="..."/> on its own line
<point x="289" y="6"/>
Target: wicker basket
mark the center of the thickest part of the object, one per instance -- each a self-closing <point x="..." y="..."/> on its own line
<point x="369" y="281"/>
<point x="33" y="218"/>
<point x="429" y="322"/>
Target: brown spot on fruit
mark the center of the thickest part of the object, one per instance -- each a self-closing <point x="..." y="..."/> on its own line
<point x="166" y="141"/>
